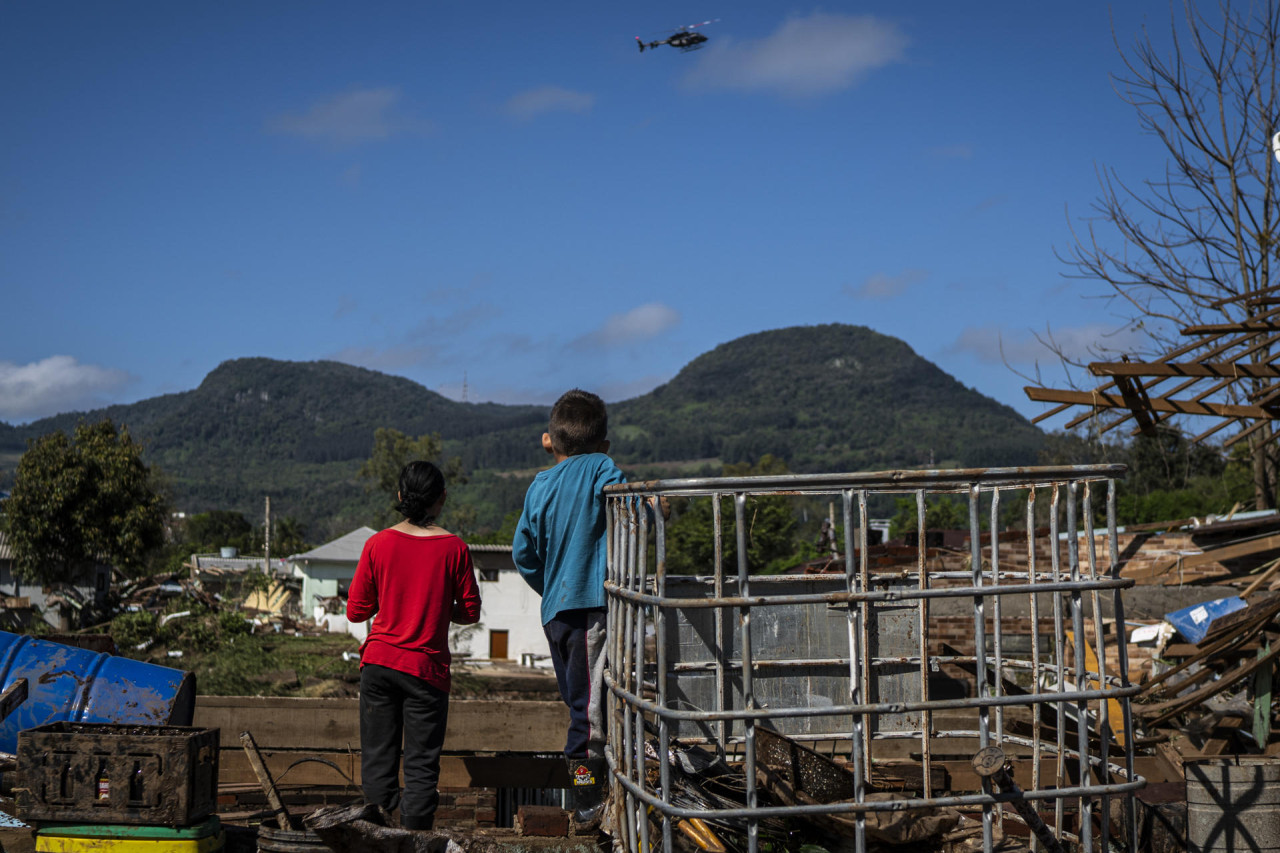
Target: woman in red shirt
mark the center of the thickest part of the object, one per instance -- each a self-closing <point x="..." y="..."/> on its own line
<point x="413" y="579"/>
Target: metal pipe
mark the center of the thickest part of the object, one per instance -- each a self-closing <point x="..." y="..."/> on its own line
<point x="1034" y="604"/>
<point x="863" y="709"/>
<point x="980" y="648"/>
<point x="660" y="652"/>
<point x="744" y="642"/>
<point x="1060" y="767"/>
<point x="1078" y="641"/>
<point x="885" y="595"/>
<point x="926" y="718"/>
<point x="1113" y="552"/>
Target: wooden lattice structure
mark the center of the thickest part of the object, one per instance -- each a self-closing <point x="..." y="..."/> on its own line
<point x="1228" y="372"/>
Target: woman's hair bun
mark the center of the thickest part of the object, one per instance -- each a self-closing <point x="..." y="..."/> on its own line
<point x="421" y="485"/>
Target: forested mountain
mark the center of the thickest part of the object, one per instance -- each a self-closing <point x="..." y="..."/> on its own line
<point x="823" y="398"/>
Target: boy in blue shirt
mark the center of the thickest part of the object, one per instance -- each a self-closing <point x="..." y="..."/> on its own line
<point x="560" y="550"/>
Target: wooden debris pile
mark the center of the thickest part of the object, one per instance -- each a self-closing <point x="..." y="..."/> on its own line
<point x="1213" y="697"/>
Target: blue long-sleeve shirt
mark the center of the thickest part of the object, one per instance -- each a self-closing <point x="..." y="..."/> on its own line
<point x="560" y="546"/>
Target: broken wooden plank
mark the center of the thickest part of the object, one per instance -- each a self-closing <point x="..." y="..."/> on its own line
<point x="1262" y="700"/>
<point x="1222" y="369"/>
<point x="1225" y="552"/>
<point x="1162" y="711"/>
<point x="475" y="725"/>
<point x="1269" y="570"/>
<point x="1172" y="760"/>
<point x="456" y="771"/>
<point x="1210" y="648"/>
<point x="268" y="784"/>
<point x="1222" y="737"/>
<point x="1100" y="400"/>
<point x="14" y="695"/>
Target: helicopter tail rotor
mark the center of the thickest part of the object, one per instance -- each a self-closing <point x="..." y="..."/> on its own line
<point x="640" y="43"/>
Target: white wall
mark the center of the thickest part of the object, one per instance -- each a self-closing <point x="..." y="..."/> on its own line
<point x="509" y="604"/>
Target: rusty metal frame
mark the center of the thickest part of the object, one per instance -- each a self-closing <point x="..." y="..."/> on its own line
<point x="640" y="679"/>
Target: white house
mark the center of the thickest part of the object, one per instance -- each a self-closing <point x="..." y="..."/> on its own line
<point x="510" y="625"/>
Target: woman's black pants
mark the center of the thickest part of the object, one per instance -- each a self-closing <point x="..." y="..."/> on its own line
<point x="395" y="705"/>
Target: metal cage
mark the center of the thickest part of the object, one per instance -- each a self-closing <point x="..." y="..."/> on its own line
<point x="841" y="662"/>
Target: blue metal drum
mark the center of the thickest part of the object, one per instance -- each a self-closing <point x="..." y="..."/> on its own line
<point x="65" y="683"/>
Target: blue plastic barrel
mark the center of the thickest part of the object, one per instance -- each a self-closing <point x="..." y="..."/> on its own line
<point x="74" y="685"/>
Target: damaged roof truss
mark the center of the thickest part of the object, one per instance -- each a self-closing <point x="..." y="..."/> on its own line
<point x="1228" y="373"/>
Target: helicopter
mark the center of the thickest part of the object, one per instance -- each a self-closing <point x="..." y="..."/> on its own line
<point x="683" y="38"/>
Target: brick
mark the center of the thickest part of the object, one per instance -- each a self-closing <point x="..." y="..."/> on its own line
<point x="489" y="815"/>
<point x="542" y="821"/>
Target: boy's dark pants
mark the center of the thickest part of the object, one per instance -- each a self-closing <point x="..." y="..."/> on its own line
<point x="394" y="704"/>
<point x="577" y="640"/>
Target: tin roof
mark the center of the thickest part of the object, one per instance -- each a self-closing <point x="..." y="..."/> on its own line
<point x="344" y="549"/>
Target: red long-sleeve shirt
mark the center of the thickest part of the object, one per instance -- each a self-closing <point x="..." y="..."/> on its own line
<point x="415" y="585"/>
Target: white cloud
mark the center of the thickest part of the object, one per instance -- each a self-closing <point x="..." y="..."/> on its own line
<point x="805" y="57"/>
<point x="548" y="99"/>
<point x="56" y="384"/>
<point x="884" y="286"/>
<point x="360" y="115"/>
<point x="992" y="345"/>
<point x="638" y="324"/>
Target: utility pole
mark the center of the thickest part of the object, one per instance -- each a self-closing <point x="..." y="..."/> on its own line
<point x="266" y="539"/>
<point x="831" y="520"/>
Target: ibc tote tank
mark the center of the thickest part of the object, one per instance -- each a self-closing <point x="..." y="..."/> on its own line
<point x="65" y="683"/>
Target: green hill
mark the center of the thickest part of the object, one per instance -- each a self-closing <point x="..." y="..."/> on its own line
<point x="824" y="398"/>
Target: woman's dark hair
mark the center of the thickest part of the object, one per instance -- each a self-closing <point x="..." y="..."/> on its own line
<point x="421" y="485"/>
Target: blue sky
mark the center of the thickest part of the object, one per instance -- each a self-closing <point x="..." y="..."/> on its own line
<point x="514" y="194"/>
